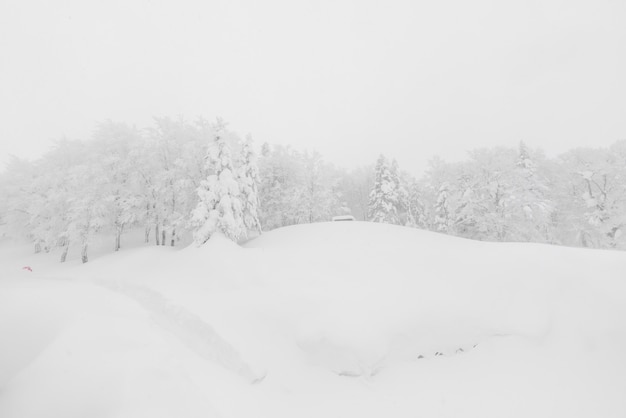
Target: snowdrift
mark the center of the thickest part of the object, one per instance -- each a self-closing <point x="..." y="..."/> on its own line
<point x="330" y="319"/>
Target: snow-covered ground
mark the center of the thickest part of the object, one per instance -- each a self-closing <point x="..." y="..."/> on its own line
<point x="324" y="320"/>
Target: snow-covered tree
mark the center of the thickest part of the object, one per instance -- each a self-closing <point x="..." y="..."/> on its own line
<point x="416" y="210"/>
<point x="281" y="181"/>
<point x="439" y="174"/>
<point x="175" y="145"/>
<point x="219" y="206"/>
<point x="400" y="181"/>
<point x="317" y="197"/>
<point x="248" y="180"/>
<point x="297" y="188"/>
<point x="492" y="185"/>
<point x="54" y="191"/>
<point x="594" y="187"/>
<point x="383" y="198"/>
<point x="114" y="144"/>
<point x="15" y="183"/>
<point x="355" y="186"/>
<point x="470" y="210"/>
<point x="169" y="165"/>
<point x="443" y="217"/>
<point x="530" y="204"/>
<point x="87" y="215"/>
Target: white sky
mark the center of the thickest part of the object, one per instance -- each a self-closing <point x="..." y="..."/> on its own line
<point x="350" y="78"/>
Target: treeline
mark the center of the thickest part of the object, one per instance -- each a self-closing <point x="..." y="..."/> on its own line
<point x="505" y="194"/>
<point x="120" y="179"/>
<point x="126" y="178"/>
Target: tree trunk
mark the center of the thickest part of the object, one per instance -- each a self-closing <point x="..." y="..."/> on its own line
<point x="163" y="237"/>
<point x="84" y="253"/>
<point x="37" y="247"/>
<point x="611" y="235"/>
<point x="583" y="239"/>
<point x="66" y="248"/>
<point x="173" y="211"/>
<point x="157" y="235"/>
<point x="147" y="235"/>
<point x="118" y="238"/>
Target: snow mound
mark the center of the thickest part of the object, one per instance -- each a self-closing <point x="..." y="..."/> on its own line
<point x="331" y="319"/>
<point x="381" y="294"/>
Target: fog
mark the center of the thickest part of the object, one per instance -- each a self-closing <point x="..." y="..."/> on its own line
<point x="350" y="79"/>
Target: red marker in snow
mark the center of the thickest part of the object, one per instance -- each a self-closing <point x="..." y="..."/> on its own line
<point x="27" y="268"/>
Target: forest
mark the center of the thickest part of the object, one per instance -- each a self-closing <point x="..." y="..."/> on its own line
<point x="158" y="178"/>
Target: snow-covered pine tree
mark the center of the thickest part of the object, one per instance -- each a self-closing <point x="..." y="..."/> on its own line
<point x="531" y="209"/>
<point x="468" y="213"/>
<point x="416" y="212"/>
<point x="402" y="195"/>
<point x="248" y="174"/>
<point x="219" y="206"/>
<point x="383" y="199"/>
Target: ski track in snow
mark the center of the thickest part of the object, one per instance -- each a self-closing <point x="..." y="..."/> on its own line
<point x="189" y="328"/>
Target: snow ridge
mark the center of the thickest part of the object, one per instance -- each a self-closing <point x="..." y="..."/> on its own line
<point x="195" y="333"/>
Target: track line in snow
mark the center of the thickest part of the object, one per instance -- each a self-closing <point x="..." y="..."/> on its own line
<point x="196" y="334"/>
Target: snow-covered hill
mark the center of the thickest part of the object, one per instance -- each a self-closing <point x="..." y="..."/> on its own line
<point x="324" y="320"/>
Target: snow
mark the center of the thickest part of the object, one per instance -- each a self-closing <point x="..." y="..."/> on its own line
<point x="219" y="207"/>
<point x="332" y="319"/>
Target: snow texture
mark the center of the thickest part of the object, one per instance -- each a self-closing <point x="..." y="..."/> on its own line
<point x="333" y="319"/>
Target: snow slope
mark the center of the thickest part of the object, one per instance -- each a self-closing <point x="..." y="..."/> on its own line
<point x="331" y="319"/>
